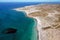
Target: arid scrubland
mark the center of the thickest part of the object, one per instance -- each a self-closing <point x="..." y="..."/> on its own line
<point x="48" y="19"/>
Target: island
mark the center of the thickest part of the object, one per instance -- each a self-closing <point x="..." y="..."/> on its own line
<point x="48" y="19"/>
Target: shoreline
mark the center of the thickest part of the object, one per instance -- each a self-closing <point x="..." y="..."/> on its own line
<point x="46" y="17"/>
<point x="35" y="26"/>
<point x="35" y="20"/>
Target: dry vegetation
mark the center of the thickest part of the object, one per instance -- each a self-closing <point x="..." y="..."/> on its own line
<point x="51" y="15"/>
<point x="48" y="14"/>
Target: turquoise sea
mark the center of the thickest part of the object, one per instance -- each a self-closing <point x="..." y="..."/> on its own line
<point x="24" y="25"/>
<point x="16" y="25"/>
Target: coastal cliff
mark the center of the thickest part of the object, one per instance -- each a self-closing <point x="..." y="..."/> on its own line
<point x="48" y="19"/>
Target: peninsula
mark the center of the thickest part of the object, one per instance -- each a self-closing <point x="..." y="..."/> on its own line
<point x="48" y="19"/>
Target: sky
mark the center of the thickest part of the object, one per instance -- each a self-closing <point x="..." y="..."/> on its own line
<point x="29" y="0"/>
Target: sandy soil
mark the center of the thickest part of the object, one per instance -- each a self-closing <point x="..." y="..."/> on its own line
<point x="48" y="19"/>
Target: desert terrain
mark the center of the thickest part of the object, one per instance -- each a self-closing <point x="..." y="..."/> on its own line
<point x="48" y="19"/>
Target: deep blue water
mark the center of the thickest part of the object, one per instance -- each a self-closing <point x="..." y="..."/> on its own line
<point x="5" y="6"/>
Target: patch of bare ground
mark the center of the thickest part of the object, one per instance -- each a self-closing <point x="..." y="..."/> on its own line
<point x="48" y="20"/>
<point x="50" y="15"/>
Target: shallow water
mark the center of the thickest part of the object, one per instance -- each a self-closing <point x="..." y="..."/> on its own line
<point x="24" y="25"/>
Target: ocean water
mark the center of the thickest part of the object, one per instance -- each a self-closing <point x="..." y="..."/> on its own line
<point x="25" y="26"/>
<point x="11" y="5"/>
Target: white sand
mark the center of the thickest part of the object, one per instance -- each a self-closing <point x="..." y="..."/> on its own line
<point x="38" y="20"/>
